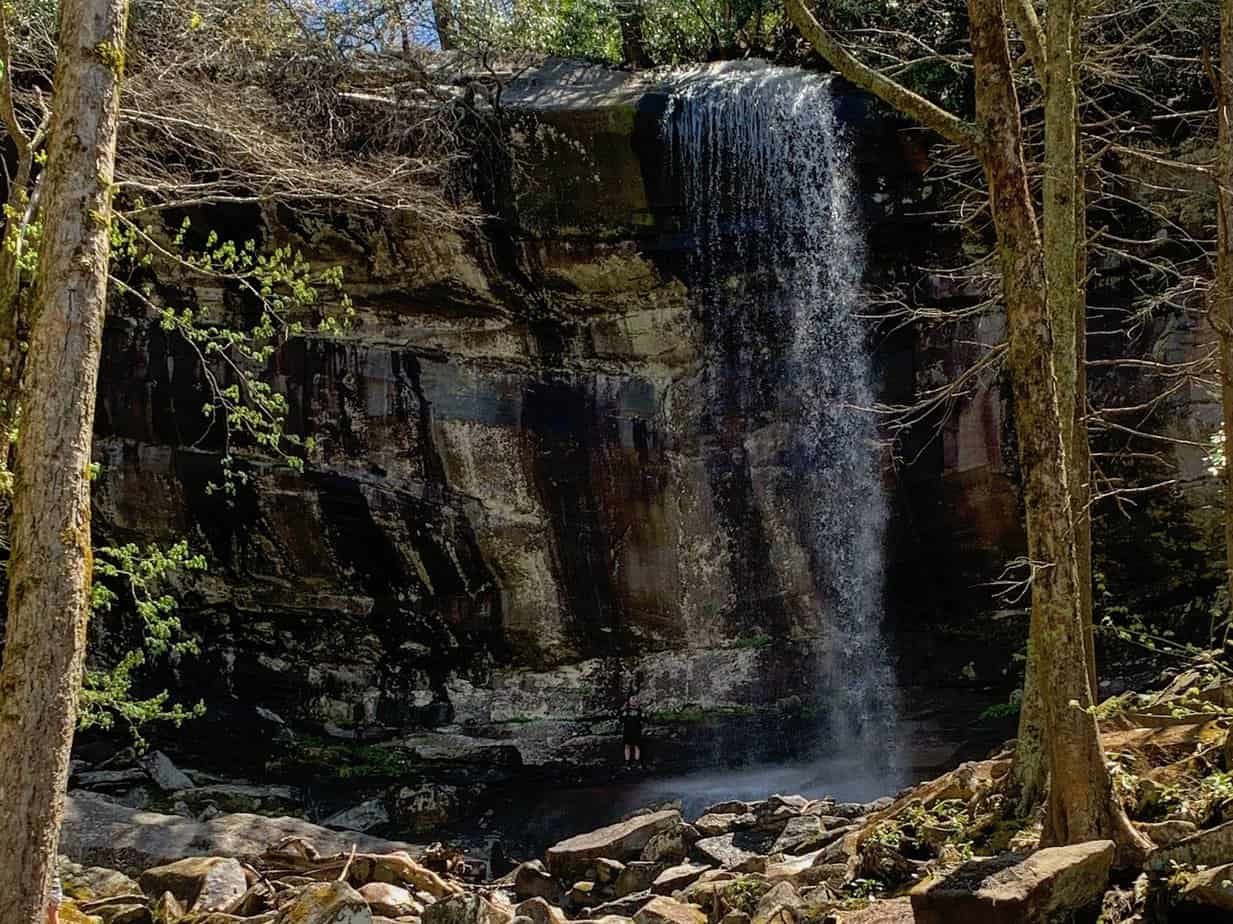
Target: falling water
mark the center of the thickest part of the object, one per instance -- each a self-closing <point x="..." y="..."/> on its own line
<point x="778" y="257"/>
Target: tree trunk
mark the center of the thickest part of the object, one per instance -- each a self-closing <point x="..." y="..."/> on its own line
<point x="1064" y="241"/>
<point x="443" y="19"/>
<point x="1222" y="295"/>
<point x="49" y="567"/>
<point x="1081" y="803"/>
<point x="630" y="18"/>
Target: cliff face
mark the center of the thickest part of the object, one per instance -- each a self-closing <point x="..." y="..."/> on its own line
<point x="520" y="507"/>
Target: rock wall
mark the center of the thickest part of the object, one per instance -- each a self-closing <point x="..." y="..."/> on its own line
<point x="517" y="512"/>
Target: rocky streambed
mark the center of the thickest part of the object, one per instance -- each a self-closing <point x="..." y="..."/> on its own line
<point x="943" y="852"/>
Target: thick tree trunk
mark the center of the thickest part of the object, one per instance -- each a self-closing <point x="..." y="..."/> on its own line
<point x="1081" y="803"/>
<point x="49" y="566"/>
<point x="1222" y="296"/>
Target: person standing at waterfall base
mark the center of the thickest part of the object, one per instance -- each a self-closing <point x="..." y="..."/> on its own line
<point x="631" y="734"/>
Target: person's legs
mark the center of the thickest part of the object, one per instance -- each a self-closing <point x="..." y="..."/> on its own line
<point x="629" y="753"/>
<point x="53" y="913"/>
<point x="637" y="754"/>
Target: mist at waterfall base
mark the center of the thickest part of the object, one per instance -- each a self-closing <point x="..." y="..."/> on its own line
<point x="777" y="244"/>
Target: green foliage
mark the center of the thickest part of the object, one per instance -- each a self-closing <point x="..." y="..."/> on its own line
<point x="1000" y="711"/>
<point x="744" y="893"/>
<point x="138" y="578"/>
<point x="692" y="715"/>
<point x="672" y="32"/>
<point x="917" y="831"/>
<point x="288" y="295"/>
<point x="331" y="759"/>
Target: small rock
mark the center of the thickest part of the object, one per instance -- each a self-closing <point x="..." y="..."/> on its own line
<point x="87" y="883"/>
<point x="714" y="825"/>
<point x="326" y="903"/>
<point x="636" y="877"/>
<point x="1210" y="889"/>
<point x="531" y="880"/>
<point x="608" y="871"/>
<point x="677" y="877"/>
<point x="465" y="909"/>
<point x="800" y="831"/>
<point x="731" y="807"/>
<point x="723" y="851"/>
<point x="662" y="910"/>
<point x="539" y="911"/>
<point x="780" y="903"/>
<point x="166" y="775"/>
<point x="625" y="907"/>
<point x="166" y="909"/>
<point x="667" y="847"/>
<point x="427" y="806"/>
<point x="200" y="883"/>
<point x="390" y="900"/>
<point x="581" y="894"/>
<point x="363" y="817"/>
<point x="735" y="917"/>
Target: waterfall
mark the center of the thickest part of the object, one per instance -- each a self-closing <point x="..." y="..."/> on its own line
<point x="777" y="256"/>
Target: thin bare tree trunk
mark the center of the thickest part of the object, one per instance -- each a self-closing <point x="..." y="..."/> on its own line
<point x="1222" y="296"/>
<point x="443" y="19"/>
<point x="50" y="562"/>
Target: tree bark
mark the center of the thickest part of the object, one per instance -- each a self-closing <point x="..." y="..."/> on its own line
<point x="49" y="567"/>
<point x="1222" y="295"/>
<point x="443" y="19"/>
<point x="1081" y="804"/>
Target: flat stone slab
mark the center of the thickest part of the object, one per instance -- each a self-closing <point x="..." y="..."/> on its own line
<point x="661" y="910"/>
<point x="98" y="832"/>
<point x="1213" y="847"/>
<point x="677" y="877"/>
<point x="723" y="851"/>
<point x="1210" y="890"/>
<point x="622" y="841"/>
<point x="1017" y="889"/>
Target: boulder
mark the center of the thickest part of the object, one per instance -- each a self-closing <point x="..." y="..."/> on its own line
<point x="120" y="911"/>
<point x="363" y="817"/>
<point x="539" y="911"/>
<point x="99" y="832"/>
<point x="801" y="831"/>
<point x="607" y="872"/>
<point x="531" y="880"/>
<point x="667" y="847"/>
<point x="87" y="883"/>
<point x="663" y="910"/>
<point x="1210" y="891"/>
<point x="677" y="877"/>
<point x="582" y="894"/>
<point x="715" y="824"/>
<point x="199" y="883"/>
<point x="781" y="904"/>
<point x="1213" y="847"/>
<point x="466" y="909"/>
<point x="723" y="851"/>
<point x="624" y="907"/>
<point x="229" y="798"/>
<point x="1018" y="888"/>
<point x="730" y="807"/>
<point x="622" y="841"/>
<point x="166" y="775"/>
<point x="637" y="877"/>
<point x="390" y="900"/>
<point x="1164" y="833"/>
<point x="426" y="806"/>
<point x="326" y="903"/>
